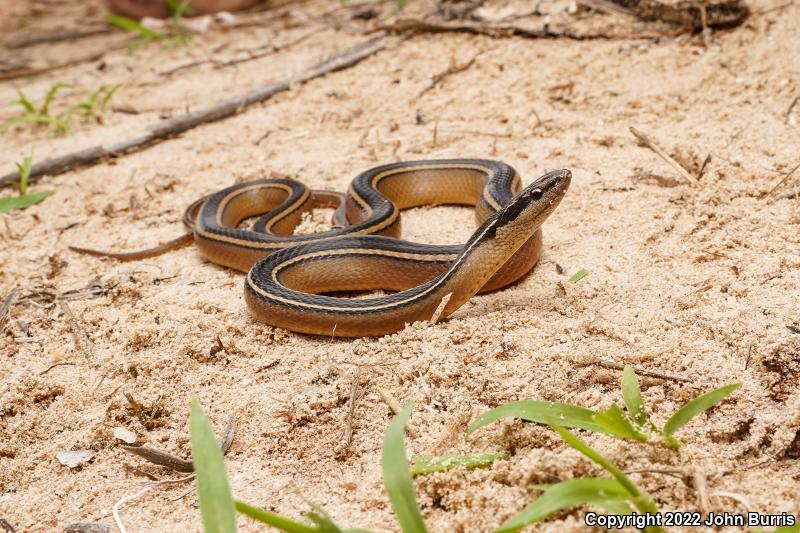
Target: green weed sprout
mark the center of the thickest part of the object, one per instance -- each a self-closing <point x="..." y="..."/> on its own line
<point x="176" y="35"/>
<point x="634" y="425"/>
<point x="23" y="199"/>
<point x="90" y="108"/>
<point x="93" y="107"/>
<point x="615" y="495"/>
<point x="41" y="115"/>
<point x="217" y="503"/>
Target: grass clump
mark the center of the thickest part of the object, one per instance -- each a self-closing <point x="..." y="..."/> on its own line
<point x="634" y="424"/>
<point x="24" y="199"/>
<point x="92" y="107"/>
<point x="618" y="495"/>
<point x="175" y="36"/>
<point x="217" y="503"/>
<point x="39" y="115"/>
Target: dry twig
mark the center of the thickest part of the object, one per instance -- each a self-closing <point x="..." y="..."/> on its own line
<point x="347" y="432"/>
<point x="783" y="180"/>
<point x="664" y="155"/>
<point x="176" y="463"/>
<point x="394" y="406"/>
<point x="651" y="373"/>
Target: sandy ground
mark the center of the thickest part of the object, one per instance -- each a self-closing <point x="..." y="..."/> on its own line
<point x="700" y="283"/>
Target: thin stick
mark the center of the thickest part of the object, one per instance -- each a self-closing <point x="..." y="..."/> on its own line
<point x="660" y="151"/>
<point x="650" y="373"/>
<point x="394" y="406"/>
<point x="51" y="367"/>
<point x="181" y="123"/>
<point x="176" y="463"/>
<point x="783" y="180"/>
<point x="123" y="501"/>
<point x="497" y="31"/>
<point x="347" y="433"/>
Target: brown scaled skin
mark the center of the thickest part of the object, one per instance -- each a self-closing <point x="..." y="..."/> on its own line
<point x="278" y="287"/>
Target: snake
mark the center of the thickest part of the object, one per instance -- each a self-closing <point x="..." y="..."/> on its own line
<point x="296" y="281"/>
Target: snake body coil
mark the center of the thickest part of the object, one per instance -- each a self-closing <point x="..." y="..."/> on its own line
<point x="288" y="273"/>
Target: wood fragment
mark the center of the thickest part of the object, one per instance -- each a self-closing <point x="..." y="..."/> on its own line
<point x="82" y="341"/>
<point x="51" y="367"/>
<point x="394" y="406"/>
<point x="347" y="432"/>
<point x="181" y="123"/>
<point x="664" y="155"/>
<point x="157" y="457"/>
<point x="642" y="372"/>
<point x="173" y="462"/>
<point x="413" y="26"/>
<point x="440" y="309"/>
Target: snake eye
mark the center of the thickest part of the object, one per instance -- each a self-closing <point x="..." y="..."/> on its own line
<point x="535" y="194"/>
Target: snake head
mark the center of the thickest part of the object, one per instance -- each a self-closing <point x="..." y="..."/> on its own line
<point x="533" y="204"/>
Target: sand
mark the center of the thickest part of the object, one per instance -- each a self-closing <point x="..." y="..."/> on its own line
<point x="696" y="282"/>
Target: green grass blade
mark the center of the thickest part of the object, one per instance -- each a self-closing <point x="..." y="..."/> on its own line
<point x="562" y="414"/>
<point x="10" y="203"/>
<point x="601" y="492"/>
<point x="694" y="407"/>
<point x="322" y="519"/>
<point x="397" y="478"/>
<point x="643" y="502"/>
<point x="584" y="448"/>
<point x="109" y="94"/>
<point x="25" y="103"/>
<point x="632" y="396"/>
<point x="617" y="423"/>
<point x="24" y="170"/>
<point x="442" y="463"/>
<point x="51" y="94"/>
<point x="579" y="275"/>
<point x="213" y="492"/>
<point x="275" y="520"/>
<point x="134" y="27"/>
